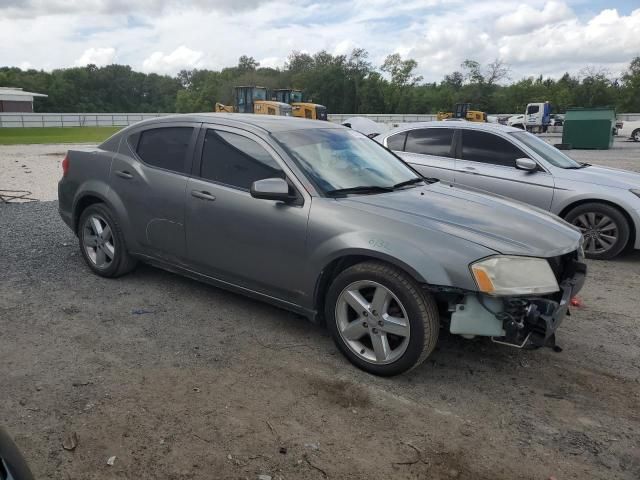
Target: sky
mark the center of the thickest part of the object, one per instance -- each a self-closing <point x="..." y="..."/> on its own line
<point x="546" y="37"/>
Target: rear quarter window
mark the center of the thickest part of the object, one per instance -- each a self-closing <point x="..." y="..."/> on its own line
<point x="396" y="142"/>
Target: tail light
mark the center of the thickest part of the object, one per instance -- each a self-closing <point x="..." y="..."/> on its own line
<point x="65" y="166"/>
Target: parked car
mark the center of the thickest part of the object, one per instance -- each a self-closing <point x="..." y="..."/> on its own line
<point x="319" y="219"/>
<point x="604" y="203"/>
<point x="365" y="126"/>
<point x="630" y="129"/>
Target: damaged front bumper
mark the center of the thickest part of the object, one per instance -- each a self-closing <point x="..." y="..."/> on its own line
<point x="519" y="321"/>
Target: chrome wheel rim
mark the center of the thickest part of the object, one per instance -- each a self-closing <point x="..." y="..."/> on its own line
<point x="372" y="322"/>
<point x="636" y="135"/>
<point x="98" y="241"/>
<point x="600" y="232"/>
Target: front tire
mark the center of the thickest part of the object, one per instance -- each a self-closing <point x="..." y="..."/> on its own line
<point x="381" y="319"/>
<point x="605" y="229"/>
<point x="102" y="242"/>
<point x="635" y="135"/>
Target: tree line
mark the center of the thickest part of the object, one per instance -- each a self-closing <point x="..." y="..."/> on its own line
<point x="343" y="83"/>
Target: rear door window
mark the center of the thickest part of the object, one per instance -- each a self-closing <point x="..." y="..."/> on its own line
<point x="488" y="148"/>
<point x="165" y="147"/>
<point x="236" y="160"/>
<point x="430" y="141"/>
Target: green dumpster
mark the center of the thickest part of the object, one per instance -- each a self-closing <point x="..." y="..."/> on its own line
<point x="589" y="127"/>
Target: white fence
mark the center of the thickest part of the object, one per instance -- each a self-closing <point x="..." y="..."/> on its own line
<point x="20" y="120"/>
<point x="25" y="120"/>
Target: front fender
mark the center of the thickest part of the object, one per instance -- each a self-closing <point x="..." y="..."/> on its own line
<point x="383" y="247"/>
<point x="442" y="262"/>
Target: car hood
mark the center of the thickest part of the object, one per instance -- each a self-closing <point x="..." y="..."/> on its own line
<point x="597" y="175"/>
<point x="493" y="222"/>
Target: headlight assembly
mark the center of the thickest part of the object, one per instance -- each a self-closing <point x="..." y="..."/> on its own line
<point x="512" y="275"/>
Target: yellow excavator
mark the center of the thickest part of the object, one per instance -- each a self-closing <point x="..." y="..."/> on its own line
<point x="301" y="109"/>
<point x="463" y="111"/>
<point x="252" y="99"/>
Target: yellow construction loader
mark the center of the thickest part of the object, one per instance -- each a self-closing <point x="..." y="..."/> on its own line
<point x="252" y="99"/>
<point x="463" y="112"/>
<point x="301" y="109"/>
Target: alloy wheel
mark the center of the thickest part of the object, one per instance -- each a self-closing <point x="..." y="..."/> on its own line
<point x="98" y="241"/>
<point x="372" y="322"/>
<point x="600" y="232"/>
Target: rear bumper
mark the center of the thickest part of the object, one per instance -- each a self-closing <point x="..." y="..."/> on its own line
<point x="63" y="200"/>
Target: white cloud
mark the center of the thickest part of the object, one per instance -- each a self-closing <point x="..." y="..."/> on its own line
<point x="164" y="36"/>
<point x="100" y="56"/>
<point x="181" y="58"/>
<point x="527" y="18"/>
<point x="22" y="8"/>
<point x="344" y="47"/>
<point x="272" y="62"/>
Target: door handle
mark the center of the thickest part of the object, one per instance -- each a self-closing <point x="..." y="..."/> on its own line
<point x="202" y="195"/>
<point x="124" y="174"/>
<point x="471" y="169"/>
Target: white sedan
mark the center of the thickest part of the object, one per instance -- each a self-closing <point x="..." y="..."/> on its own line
<point x="630" y="130"/>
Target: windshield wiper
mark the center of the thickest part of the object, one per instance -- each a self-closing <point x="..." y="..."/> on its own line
<point x="408" y="182"/>
<point x="359" y="189"/>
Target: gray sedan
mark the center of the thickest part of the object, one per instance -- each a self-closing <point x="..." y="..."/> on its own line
<point x="602" y="202"/>
<point x="320" y="220"/>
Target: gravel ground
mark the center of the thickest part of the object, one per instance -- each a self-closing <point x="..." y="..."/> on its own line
<point x="34" y="168"/>
<point x="181" y="380"/>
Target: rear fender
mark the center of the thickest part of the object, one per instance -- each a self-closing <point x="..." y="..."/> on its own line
<point x="102" y="191"/>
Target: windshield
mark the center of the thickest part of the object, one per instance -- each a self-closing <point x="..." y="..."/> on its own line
<point x="550" y="153"/>
<point x="296" y="96"/>
<point x="260" y="94"/>
<point x="336" y="159"/>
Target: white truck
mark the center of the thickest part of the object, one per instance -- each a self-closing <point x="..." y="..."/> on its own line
<point x="536" y="118"/>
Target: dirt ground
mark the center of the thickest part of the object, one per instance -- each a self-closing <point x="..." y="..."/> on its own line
<point x="180" y="380"/>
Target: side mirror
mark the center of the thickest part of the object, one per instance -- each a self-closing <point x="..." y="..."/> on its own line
<point x="526" y="164"/>
<point x="271" y="189"/>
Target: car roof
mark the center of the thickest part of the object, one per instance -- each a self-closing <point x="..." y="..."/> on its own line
<point x="485" y="126"/>
<point x="268" y="123"/>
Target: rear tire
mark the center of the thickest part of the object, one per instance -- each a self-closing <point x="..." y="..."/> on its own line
<point x="381" y="319"/>
<point x="605" y="229"/>
<point x="635" y="135"/>
<point x="102" y="242"/>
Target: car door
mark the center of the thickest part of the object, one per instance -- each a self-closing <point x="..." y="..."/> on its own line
<point x="488" y="161"/>
<point x="234" y="237"/>
<point x="149" y="176"/>
<point x="428" y="150"/>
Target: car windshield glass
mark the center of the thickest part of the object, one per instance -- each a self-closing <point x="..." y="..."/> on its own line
<point x="336" y="159"/>
<point x="550" y="153"/>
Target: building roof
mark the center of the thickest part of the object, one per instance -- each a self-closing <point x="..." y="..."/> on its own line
<point x="18" y="95"/>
